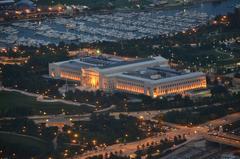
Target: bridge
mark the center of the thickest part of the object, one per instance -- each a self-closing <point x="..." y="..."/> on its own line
<point x="223" y="138"/>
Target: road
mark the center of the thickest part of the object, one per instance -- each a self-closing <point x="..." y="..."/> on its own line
<point x="78" y="117"/>
<point x="225" y="139"/>
<point x="149" y="115"/>
<point x="193" y="133"/>
<point x="130" y="148"/>
<point x="223" y="121"/>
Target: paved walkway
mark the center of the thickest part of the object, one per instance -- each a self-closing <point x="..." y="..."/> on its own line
<point x="41" y="98"/>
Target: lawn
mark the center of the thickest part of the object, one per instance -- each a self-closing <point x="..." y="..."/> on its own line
<point x="24" y="145"/>
<point x="202" y="56"/>
<point x="16" y="104"/>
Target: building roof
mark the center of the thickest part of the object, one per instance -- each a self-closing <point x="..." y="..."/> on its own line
<point x="160" y="79"/>
<point x="154" y="73"/>
<point x="74" y="64"/>
<point x="101" y="61"/>
<point x="135" y="63"/>
<point x="126" y="63"/>
<point x="104" y="63"/>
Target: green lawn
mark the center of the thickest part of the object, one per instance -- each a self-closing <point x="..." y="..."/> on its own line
<point x="24" y="145"/>
<point x="202" y="56"/>
<point x="16" y="104"/>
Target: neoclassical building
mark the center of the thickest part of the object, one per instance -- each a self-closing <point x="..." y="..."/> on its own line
<point x="150" y="76"/>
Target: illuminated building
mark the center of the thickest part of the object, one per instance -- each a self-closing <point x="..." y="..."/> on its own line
<point x="199" y="93"/>
<point x="58" y="122"/>
<point x="13" y="61"/>
<point x="149" y="76"/>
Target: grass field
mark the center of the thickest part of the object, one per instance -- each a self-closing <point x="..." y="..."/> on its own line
<point x="203" y="57"/>
<point x="16" y="104"/>
<point x="25" y="145"/>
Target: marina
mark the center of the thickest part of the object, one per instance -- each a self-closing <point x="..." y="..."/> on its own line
<point x="109" y="27"/>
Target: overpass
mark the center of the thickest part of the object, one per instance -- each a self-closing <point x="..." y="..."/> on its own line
<point x="226" y="139"/>
<point x="223" y="121"/>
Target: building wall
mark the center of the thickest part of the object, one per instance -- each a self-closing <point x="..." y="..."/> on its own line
<point x="90" y="78"/>
<point x="130" y="86"/>
<point x="54" y="71"/>
<point x="179" y="86"/>
<point x="161" y="89"/>
<point x="57" y="72"/>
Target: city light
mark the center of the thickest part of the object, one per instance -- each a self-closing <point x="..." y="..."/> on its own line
<point x="18" y="12"/>
<point x="27" y="11"/>
<point x="94" y="142"/>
